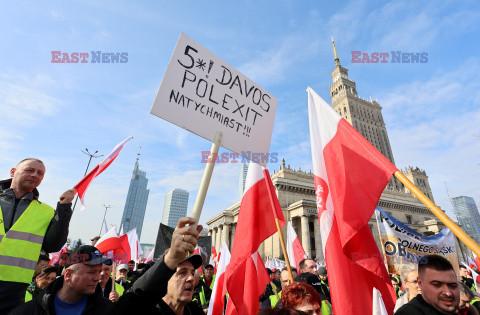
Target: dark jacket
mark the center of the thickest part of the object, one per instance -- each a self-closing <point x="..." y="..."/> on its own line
<point x="145" y="295"/>
<point x="417" y="306"/>
<point x="43" y="304"/>
<point x="12" y="294"/>
<point x="202" y="289"/>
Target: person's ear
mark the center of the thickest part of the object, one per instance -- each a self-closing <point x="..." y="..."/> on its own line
<point x="12" y="171"/>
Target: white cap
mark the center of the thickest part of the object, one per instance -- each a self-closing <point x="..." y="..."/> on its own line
<point x="122" y="266"/>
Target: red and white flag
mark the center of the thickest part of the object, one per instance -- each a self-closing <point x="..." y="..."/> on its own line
<point x="350" y="175"/>
<point x="256" y="222"/>
<point x="150" y="256"/>
<point x="294" y="248"/>
<point x="217" y="300"/>
<point x="131" y="246"/>
<point x="213" y="257"/>
<point x="83" y="184"/>
<point x="476" y="261"/>
<point x="109" y="244"/>
<point x="55" y="257"/>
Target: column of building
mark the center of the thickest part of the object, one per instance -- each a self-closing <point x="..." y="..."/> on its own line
<point x="305" y="235"/>
<point x="318" y="241"/>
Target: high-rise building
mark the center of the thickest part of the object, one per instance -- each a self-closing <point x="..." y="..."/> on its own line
<point x="467" y="214"/>
<point x="136" y="203"/>
<point x="175" y="207"/>
<point x="242" y="179"/>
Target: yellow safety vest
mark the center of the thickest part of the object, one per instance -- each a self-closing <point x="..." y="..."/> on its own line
<point x="211" y="284"/>
<point x="274" y="299"/>
<point x="20" y="246"/>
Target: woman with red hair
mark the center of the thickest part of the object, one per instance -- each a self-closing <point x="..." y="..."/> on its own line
<point x="302" y="297"/>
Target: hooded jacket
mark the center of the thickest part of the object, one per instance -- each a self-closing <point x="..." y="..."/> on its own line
<point x="43" y="303"/>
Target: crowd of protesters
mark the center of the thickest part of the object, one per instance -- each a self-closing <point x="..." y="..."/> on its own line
<point x="87" y="282"/>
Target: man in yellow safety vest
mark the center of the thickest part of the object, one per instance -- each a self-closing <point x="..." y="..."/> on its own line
<point x="27" y="226"/>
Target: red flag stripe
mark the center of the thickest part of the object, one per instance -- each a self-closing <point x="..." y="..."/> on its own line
<point x="350" y="175"/>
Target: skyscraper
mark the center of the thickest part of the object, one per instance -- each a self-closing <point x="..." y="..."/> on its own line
<point x="136" y="203"/>
<point x="175" y="207"/>
<point x="242" y="179"/>
<point x="467" y="214"/>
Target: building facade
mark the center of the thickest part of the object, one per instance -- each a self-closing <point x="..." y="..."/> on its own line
<point x="136" y="204"/>
<point x="467" y="214"/>
<point x="296" y="191"/>
<point x="175" y="207"/>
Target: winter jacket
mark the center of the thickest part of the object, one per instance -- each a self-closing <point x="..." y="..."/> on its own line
<point x="417" y="306"/>
<point x="43" y="304"/>
<point x="145" y="296"/>
<point x="12" y="294"/>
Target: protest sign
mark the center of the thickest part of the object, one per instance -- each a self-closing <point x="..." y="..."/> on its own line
<point x="403" y="245"/>
<point x="203" y="94"/>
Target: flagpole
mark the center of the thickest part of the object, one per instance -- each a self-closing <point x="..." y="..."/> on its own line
<point x="113" y="275"/>
<point x="86" y="170"/>
<point x="207" y="175"/>
<point x="462" y="236"/>
<point x="280" y="235"/>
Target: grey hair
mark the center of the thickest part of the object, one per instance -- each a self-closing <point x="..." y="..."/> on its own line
<point x="406" y="269"/>
<point x="465" y="290"/>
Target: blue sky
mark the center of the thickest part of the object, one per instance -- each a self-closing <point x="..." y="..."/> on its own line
<point x="52" y="111"/>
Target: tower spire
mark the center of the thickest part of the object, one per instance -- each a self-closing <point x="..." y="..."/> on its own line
<point x="138" y="154"/>
<point x="337" y="61"/>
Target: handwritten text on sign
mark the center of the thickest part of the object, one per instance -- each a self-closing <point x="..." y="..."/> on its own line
<point x="202" y="93"/>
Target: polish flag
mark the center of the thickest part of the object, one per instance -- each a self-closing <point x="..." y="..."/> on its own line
<point x="350" y="175"/>
<point x="130" y="245"/>
<point x="219" y="286"/>
<point x="294" y="248"/>
<point x="271" y="264"/>
<point x="256" y="222"/>
<point x="109" y="244"/>
<point x="150" y="256"/>
<point x="476" y="260"/>
<point x="83" y="184"/>
<point x="213" y="257"/>
<point x="55" y="257"/>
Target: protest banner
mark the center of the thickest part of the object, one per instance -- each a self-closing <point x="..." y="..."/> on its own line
<point x="402" y="245"/>
<point x="204" y="94"/>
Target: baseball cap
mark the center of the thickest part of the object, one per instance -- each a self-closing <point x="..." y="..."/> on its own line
<point x="322" y="271"/>
<point x="88" y="255"/>
<point x="196" y="260"/>
<point x="208" y="266"/>
<point x="122" y="266"/>
<point x="310" y="279"/>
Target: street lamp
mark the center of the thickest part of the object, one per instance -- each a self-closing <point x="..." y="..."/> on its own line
<point x="91" y="155"/>
<point x="106" y="208"/>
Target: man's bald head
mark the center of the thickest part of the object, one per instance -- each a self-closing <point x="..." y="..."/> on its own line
<point x="27" y="176"/>
<point x="30" y="159"/>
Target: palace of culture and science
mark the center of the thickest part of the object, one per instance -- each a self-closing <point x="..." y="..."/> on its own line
<point x="295" y="188"/>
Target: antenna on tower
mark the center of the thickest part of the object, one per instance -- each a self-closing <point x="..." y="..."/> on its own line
<point x="138" y="154"/>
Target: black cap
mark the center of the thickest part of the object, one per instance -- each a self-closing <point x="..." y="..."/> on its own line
<point x="310" y="279"/>
<point x="196" y="260"/>
<point x="269" y="271"/>
<point x="208" y="266"/>
<point x="88" y="255"/>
